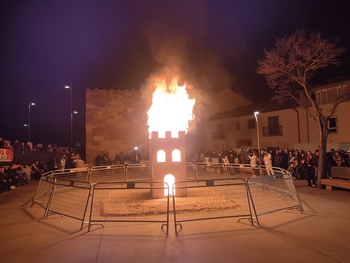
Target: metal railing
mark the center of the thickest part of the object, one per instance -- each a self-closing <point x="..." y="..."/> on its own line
<point x="140" y="171"/>
<point x="64" y="192"/>
<point x="69" y="199"/>
<point x="107" y="173"/>
<point x="209" y="170"/>
<point x="129" y="202"/>
<point x="274" y="193"/>
<point x="215" y="191"/>
<point x="211" y="199"/>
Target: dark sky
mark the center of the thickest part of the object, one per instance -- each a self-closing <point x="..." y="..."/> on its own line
<point x="45" y="45"/>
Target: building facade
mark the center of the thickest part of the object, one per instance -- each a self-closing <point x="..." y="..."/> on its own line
<point x="283" y="126"/>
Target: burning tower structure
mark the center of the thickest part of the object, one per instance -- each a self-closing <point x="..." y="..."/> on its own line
<point x="168" y="121"/>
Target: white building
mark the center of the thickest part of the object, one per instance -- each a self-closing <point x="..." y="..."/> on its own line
<point x="282" y="125"/>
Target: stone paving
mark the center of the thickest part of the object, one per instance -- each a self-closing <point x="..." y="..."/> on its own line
<point x="319" y="235"/>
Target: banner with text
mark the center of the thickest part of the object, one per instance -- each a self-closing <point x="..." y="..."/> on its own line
<point x="6" y="155"/>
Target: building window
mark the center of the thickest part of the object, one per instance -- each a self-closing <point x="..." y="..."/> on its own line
<point x="274" y="125"/>
<point x="238" y="125"/>
<point x="251" y="124"/>
<point x="331" y="95"/>
<point x="220" y="132"/>
<point x="176" y="155"/>
<point x="161" y="156"/>
<point x="332" y="124"/>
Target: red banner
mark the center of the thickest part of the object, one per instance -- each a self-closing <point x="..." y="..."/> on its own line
<point x="6" y="155"/>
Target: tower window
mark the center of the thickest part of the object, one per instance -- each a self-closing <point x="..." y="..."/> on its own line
<point x="176" y="155"/>
<point x="161" y="156"/>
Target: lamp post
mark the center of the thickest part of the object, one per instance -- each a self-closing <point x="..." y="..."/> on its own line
<point x="71" y="114"/>
<point x="29" y="105"/>
<point x="256" y="115"/>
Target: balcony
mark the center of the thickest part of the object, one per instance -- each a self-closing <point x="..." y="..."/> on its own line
<point x="272" y="131"/>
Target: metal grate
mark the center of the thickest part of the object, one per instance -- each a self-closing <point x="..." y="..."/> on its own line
<point x="107" y="173"/>
<point x="129" y="202"/>
<point x="211" y="199"/>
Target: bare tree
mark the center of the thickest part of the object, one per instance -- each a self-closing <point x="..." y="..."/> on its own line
<point x="288" y="69"/>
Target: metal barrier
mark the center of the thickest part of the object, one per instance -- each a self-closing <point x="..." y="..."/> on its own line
<point x="210" y="170"/>
<point x="141" y="171"/>
<point x="190" y="171"/>
<point x="64" y="192"/>
<point x="43" y="190"/>
<point x="107" y="173"/>
<point x="129" y="202"/>
<point x="211" y="199"/>
<point x="69" y="199"/>
<point x="274" y="193"/>
<point x="74" y="174"/>
<point x="243" y="169"/>
<point x="214" y="194"/>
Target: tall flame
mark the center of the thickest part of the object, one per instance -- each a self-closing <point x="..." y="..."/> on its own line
<point x="171" y="109"/>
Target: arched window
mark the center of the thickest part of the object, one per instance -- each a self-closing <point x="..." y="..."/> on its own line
<point x="169" y="181"/>
<point x="176" y="155"/>
<point x="161" y="156"/>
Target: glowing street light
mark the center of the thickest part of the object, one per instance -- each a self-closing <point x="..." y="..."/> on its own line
<point x="70" y="87"/>
<point x="256" y="115"/>
<point x="28" y="125"/>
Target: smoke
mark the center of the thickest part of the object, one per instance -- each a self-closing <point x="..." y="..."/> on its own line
<point x="179" y="44"/>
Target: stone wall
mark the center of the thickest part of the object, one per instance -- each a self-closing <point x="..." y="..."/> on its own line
<point x="116" y="121"/>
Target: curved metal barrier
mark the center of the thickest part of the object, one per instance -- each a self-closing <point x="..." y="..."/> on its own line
<point x="274" y="193"/>
<point x="65" y="193"/>
<point x="216" y="192"/>
<point x="107" y="173"/>
<point x="129" y="202"/>
<point x="209" y="170"/>
<point x="211" y="199"/>
<point x="140" y="171"/>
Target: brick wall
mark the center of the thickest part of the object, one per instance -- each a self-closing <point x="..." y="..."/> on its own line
<point x="116" y="121"/>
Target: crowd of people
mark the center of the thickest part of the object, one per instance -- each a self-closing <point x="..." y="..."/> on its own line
<point x="21" y="146"/>
<point x="301" y="164"/>
<point x="25" y="168"/>
<point x="16" y="174"/>
<point x="119" y="159"/>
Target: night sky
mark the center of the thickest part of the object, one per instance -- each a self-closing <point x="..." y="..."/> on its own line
<point x="45" y="45"/>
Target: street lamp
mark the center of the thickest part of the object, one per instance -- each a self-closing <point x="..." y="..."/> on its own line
<point x="70" y="87"/>
<point x="256" y="115"/>
<point x="29" y="105"/>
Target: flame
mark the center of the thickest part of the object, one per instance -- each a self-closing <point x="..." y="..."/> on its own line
<point x="171" y="109"/>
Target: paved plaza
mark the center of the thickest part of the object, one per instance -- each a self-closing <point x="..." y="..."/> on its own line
<point x="320" y="234"/>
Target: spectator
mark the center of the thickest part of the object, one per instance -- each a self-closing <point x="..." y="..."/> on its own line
<point x="35" y="175"/>
<point x="310" y="169"/>
<point x="63" y="162"/>
<point x="284" y="154"/>
<point x="277" y="160"/>
<point x="99" y="160"/>
<point x="13" y="174"/>
<point x="253" y="159"/>
<point x="303" y="166"/>
<point x="135" y="157"/>
<point x="5" y="184"/>
<point x="268" y="163"/>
